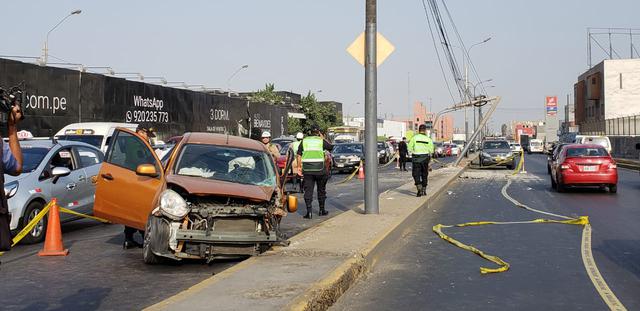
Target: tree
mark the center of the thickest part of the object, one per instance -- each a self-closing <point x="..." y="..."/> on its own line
<point x="322" y="115"/>
<point x="267" y="95"/>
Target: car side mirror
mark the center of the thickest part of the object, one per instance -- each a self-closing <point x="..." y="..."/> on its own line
<point x="148" y="170"/>
<point x="58" y="172"/>
<point x="292" y="203"/>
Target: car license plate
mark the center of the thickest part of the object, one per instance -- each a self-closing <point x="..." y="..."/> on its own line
<point x="589" y="168"/>
<point x="339" y="165"/>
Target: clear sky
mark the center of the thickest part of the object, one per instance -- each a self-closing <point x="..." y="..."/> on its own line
<point x="538" y="48"/>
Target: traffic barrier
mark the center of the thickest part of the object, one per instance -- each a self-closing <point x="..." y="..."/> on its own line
<point x="53" y="240"/>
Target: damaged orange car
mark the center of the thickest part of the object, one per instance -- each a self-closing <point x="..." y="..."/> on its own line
<point x="215" y="196"/>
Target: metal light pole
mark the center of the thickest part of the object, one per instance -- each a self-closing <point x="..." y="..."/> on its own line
<point x="45" y="50"/>
<point x="371" y="110"/>
<point x="474" y="96"/>
<point x="232" y="76"/>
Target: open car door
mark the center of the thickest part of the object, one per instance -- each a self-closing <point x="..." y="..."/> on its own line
<point x="130" y="180"/>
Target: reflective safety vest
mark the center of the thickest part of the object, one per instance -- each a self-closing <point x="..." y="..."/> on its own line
<point x="296" y="146"/>
<point x="421" y="144"/>
<point x="312" y="154"/>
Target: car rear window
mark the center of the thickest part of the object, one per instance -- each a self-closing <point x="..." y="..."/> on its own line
<point x="602" y="141"/>
<point x="586" y="152"/>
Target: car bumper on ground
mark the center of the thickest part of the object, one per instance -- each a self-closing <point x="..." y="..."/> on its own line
<point x="498" y="161"/>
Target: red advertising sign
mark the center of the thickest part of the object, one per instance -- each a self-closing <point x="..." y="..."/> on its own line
<point x="552" y="105"/>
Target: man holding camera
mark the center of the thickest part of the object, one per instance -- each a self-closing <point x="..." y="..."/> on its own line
<point x="11" y="156"/>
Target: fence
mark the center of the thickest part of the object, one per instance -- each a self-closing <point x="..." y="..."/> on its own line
<point x="623" y="126"/>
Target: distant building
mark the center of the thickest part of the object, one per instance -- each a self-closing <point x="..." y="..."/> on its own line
<point x="606" y="94"/>
<point x="444" y="128"/>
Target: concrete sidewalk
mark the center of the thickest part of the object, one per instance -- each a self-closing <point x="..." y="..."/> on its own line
<point x="321" y="262"/>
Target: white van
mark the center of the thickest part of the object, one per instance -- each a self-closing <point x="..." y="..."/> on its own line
<point x="598" y="140"/>
<point x="94" y="133"/>
<point x="536" y="146"/>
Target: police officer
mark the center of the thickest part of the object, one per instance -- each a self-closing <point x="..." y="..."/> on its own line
<point x="146" y="132"/>
<point x="312" y="165"/>
<point x="421" y="147"/>
<point x="11" y="156"/>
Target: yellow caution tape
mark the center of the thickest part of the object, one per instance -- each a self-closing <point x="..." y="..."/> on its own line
<point x="41" y="215"/>
<point x="68" y="211"/>
<point x="352" y="174"/>
<point x="520" y="164"/>
<point x="395" y="156"/>
<point x="504" y="266"/>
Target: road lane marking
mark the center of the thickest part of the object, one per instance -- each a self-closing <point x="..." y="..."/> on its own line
<point x="588" y="260"/>
<point x="594" y="274"/>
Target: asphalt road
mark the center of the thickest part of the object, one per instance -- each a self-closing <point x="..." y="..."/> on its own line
<point x="99" y="274"/>
<point x="547" y="272"/>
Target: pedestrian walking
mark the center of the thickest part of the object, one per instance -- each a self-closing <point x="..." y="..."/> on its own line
<point x="146" y="132"/>
<point x="314" y="169"/>
<point x="421" y="148"/>
<point x="403" y="151"/>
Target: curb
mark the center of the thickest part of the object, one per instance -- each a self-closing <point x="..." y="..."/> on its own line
<point x="628" y="164"/>
<point x="328" y="290"/>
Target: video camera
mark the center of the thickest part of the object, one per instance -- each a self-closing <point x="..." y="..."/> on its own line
<point x="11" y="98"/>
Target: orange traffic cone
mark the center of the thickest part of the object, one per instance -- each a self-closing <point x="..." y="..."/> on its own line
<point x="361" y="172"/>
<point x="53" y="241"/>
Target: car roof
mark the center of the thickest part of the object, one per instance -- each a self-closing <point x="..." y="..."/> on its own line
<point x="49" y="144"/>
<point x="573" y="146"/>
<point x="222" y="140"/>
<point x="98" y="127"/>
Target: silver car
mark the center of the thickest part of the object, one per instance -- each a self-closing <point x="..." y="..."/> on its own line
<point x="61" y="170"/>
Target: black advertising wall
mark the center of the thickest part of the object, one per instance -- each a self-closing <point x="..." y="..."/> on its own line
<point x="57" y="97"/>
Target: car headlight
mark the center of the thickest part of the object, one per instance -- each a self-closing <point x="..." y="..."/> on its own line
<point x="510" y="154"/>
<point x="173" y="205"/>
<point x="10" y="189"/>
<point x="355" y="159"/>
<point x="486" y="155"/>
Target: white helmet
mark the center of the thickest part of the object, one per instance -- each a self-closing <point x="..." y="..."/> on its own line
<point x="299" y="136"/>
<point x="266" y="134"/>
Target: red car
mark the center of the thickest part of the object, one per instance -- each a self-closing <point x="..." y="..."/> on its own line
<point x="584" y="165"/>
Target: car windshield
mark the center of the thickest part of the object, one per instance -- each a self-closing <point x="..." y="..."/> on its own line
<point x="495" y="145"/>
<point x="348" y="148"/>
<point x="32" y="158"/>
<point x="226" y="164"/>
<point x="94" y="140"/>
<point x="285" y="147"/>
<point x="602" y="141"/>
<point x="586" y="152"/>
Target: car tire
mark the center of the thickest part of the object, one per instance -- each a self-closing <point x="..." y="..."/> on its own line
<point x="613" y="188"/>
<point x="510" y="166"/>
<point x="40" y="229"/>
<point x="152" y="237"/>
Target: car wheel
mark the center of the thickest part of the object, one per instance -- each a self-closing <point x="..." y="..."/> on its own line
<point x="37" y="234"/>
<point x="613" y="188"/>
<point x="153" y="237"/>
<point x="510" y="166"/>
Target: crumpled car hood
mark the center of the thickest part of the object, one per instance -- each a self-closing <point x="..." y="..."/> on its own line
<point x="203" y="186"/>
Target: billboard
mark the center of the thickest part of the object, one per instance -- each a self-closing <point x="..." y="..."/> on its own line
<point x="57" y="97"/>
<point x="551" y="105"/>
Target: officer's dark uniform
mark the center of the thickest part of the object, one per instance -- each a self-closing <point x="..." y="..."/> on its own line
<point x="403" y="151"/>
<point x="314" y="170"/>
<point x="421" y="147"/>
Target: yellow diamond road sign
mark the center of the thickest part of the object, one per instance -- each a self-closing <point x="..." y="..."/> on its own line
<point x="384" y="48"/>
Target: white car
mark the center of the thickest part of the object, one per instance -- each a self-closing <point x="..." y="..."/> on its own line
<point x="598" y="140"/>
<point x="455" y="149"/>
<point x="62" y="170"/>
<point x="515" y="147"/>
<point x="97" y="134"/>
